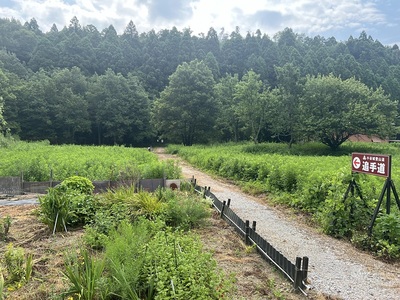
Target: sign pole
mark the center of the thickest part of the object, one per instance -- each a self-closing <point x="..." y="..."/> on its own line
<point x="389" y="185"/>
<point x="378" y="165"/>
<point x="385" y="189"/>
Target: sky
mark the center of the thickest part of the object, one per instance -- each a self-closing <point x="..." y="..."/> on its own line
<point x="339" y="18"/>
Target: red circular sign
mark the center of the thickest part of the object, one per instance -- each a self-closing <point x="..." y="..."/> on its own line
<point x="356" y="162"/>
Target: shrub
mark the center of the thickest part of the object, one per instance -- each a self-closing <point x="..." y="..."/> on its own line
<point x="79" y="183"/>
<point x="386" y="235"/>
<point x="148" y="205"/>
<point x="146" y="262"/>
<point x="63" y="206"/>
<point x="55" y="210"/>
<point x="186" y="211"/>
<point x="125" y="252"/>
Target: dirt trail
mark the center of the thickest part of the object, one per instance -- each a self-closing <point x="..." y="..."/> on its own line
<point x="336" y="267"/>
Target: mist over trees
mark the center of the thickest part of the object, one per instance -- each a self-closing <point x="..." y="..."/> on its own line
<point x="85" y="86"/>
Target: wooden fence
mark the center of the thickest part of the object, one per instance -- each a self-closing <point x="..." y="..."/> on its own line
<point x="296" y="272"/>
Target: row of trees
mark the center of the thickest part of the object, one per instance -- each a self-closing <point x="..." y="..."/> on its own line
<point x="79" y="85"/>
<point x="325" y="108"/>
<point x="64" y="106"/>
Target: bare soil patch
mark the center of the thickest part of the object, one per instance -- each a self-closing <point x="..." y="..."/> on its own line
<point x="48" y="250"/>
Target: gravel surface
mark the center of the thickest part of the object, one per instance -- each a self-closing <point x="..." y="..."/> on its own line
<point x="336" y="268"/>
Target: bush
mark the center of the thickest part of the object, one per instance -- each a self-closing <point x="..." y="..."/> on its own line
<point x="386" y="234"/>
<point x="146" y="262"/>
<point x="55" y="209"/>
<point x="186" y="211"/>
<point x="79" y="184"/>
<point x="62" y="207"/>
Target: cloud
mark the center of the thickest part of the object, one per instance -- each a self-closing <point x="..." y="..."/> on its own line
<point x="176" y="11"/>
<point x="267" y="18"/>
<point x="339" y="18"/>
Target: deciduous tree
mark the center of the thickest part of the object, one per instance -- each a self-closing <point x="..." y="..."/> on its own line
<point x="333" y="109"/>
<point x="252" y="99"/>
<point x="185" y="111"/>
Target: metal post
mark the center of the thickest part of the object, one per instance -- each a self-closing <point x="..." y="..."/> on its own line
<point x="304" y="268"/>
<point x="377" y="207"/>
<point x="388" y="188"/>
<point x="396" y="196"/>
<point x="297" y="274"/>
<point x="254" y="226"/>
<point x="247" y="232"/>
<point x="222" y="209"/>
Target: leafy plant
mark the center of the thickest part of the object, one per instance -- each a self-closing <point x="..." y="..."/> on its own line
<point x="14" y="259"/>
<point x="28" y="267"/>
<point x="79" y="183"/>
<point x="186" y="211"/>
<point x="83" y="273"/>
<point x="63" y="206"/>
<point x="55" y="209"/>
<point x="125" y="251"/>
<point x="5" y="224"/>
<point x="386" y="236"/>
<point x="148" y="205"/>
<point x="18" y="265"/>
<point x="149" y="261"/>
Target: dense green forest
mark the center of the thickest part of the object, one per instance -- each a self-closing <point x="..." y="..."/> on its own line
<point x="85" y="86"/>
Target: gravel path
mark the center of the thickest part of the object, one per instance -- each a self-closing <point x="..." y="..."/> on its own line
<point x="335" y="267"/>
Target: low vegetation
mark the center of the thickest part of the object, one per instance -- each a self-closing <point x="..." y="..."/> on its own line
<point x="312" y="179"/>
<point x="46" y="162"/>
<point x="136" y="245"/>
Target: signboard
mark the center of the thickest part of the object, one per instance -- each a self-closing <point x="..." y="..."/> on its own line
<point x="374" y="164"/>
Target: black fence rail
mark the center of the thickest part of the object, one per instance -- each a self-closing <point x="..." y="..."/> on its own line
<point x="296" y="272"/>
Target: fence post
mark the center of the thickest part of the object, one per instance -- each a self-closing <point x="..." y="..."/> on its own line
<point x="247" y="232"/>
<point x="229" y="202"/>
<point x="222" y="208"/>
<point x="204" y="192"/>
<point x="297" y="274"/>
<point x="22" y="182"/>
<point x="304" y="268"/>
<point x="254" y="226"/>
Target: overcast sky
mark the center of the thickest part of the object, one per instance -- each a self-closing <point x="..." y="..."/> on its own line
<point x="338" y="18"/>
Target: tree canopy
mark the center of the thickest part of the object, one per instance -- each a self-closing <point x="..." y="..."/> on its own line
<point x="333" y="109"/>
<point x="186" y="110"/>
<point x="89" y="86"/>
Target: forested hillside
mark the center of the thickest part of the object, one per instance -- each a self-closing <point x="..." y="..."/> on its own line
<point x="85" y="86"/>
